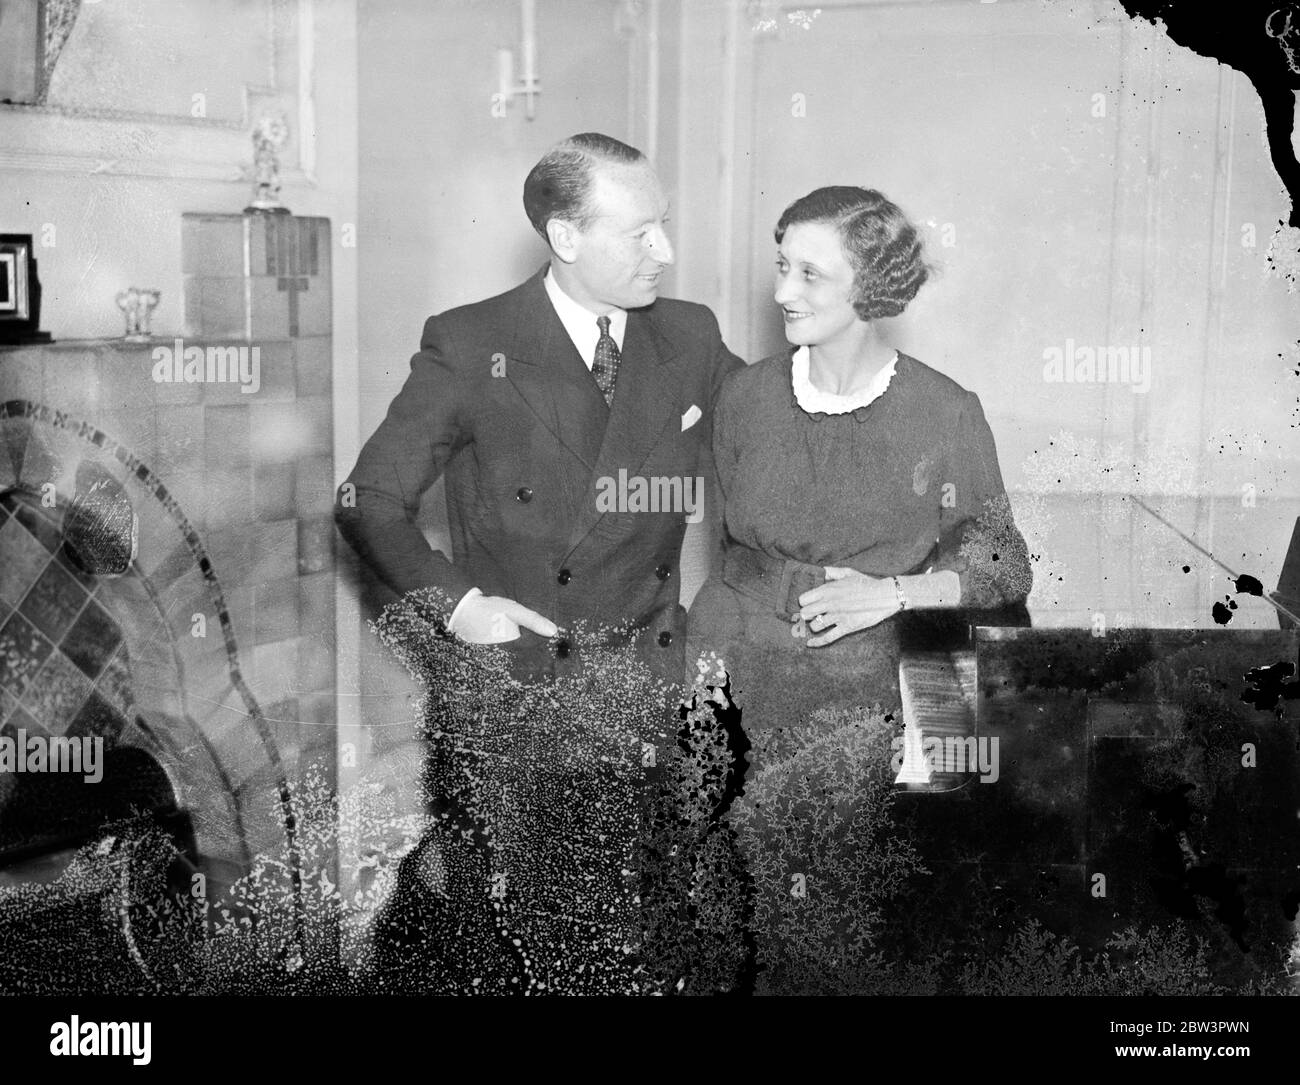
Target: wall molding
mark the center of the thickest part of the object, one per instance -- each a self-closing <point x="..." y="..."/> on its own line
<point x="52" y="138"/>
<point x="177" y="169"/>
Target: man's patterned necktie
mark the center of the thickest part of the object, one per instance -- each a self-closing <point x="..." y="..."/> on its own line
<point x="605" y="366"/>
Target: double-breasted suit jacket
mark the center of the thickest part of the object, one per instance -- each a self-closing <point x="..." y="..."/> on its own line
<point x="499" y="401"/>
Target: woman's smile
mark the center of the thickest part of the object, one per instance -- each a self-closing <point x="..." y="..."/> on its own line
<point x="814" y="284"/>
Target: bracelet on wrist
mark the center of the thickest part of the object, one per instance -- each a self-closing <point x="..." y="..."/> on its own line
<point x="902" y="599"/>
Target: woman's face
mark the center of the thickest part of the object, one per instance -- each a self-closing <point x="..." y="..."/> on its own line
<point x="814" y="285"/>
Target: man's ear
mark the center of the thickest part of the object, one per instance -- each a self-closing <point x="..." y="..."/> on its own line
<point x="563" y="237"/>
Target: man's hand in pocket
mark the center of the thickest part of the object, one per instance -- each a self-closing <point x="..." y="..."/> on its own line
<point x="493" y="619"/>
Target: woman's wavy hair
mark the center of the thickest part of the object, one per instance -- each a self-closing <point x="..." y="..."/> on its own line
<point x="883" y="247"/>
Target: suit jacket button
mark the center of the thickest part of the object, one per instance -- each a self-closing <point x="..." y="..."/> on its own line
<point x="564" y="576"/>
<point x="524" y="494"/>
<point x="561" y="649"/>
<point x="663" y="571"/>
<point x="665" y="639"/>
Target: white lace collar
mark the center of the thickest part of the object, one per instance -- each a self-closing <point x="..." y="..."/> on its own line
<point x="815" y="401"/>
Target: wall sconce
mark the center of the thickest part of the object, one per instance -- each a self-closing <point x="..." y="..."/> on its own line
<point x="528" y="86"/>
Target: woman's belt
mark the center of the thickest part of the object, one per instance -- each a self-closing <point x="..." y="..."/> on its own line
<point x="775" y="582"/>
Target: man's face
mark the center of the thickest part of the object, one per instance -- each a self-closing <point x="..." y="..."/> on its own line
<point x="617" y="261"/>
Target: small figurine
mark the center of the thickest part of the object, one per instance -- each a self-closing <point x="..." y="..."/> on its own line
<point x="270" y="134"/>
<point x="138" y="305"/>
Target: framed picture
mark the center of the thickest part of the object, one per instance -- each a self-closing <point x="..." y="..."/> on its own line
<point x="20" y="292"/>
<point x="21" y="41"/>
<point x="15" y="298"/>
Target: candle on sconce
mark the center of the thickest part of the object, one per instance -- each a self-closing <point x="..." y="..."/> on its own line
<point x="505" y="72"/>
<point x="528" y="18"/>
<point x="528" y="84"/>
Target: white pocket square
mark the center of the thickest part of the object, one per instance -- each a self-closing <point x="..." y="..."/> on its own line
<point x="691" y="417"/>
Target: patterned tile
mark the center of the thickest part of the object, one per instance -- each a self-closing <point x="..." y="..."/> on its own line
<point x="13" y="438"/>
<point x="22" y="651"/>
<point x="180" y="437"/>
<point x="227" y="436"/>
<point x="42" y="526"/>
<point x="92" y="640"/>
<point x="41" y="461"/>
<point x="318" y="716"/>
<point x="254" y="554"/>
<point x="57" y="694"/>
<point x="270" y="669"/>
<point x="275" y="612"/>
<point x="316" y="415"/>
<point x="54" y="602"/>
<point x="315" y="365"/>
<point x="214" y="307"/>
<point x="269" y="362"/>
<point x="21" y="560"/>
<point x="315" y="546"/>
<point x="228" y="494"/>
<point x="314" y="315"/>
<point x="211" y="244"/>
<point x="170" y="565"/>
<point x="98" y="717"/>
<point x="316" y="606"/>
<point x="269" y="307"/>
<point x="279" y="376"/>
<point x="316" y="665"/>
<point x="22" y="720"/>
<point x="114" y="683"/>
<point x="314" y="486"/>
<point x="273" y="491"/>
<point x="68" y="560"/>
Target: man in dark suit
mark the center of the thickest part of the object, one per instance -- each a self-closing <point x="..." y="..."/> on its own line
<point x="571" y="419"/>
<point x="571" y="416"/>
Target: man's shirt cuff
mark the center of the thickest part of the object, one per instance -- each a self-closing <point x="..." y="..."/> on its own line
<point x="471" y="594"/>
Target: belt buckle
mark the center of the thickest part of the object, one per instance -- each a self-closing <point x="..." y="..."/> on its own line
<point x="783" y="587"/>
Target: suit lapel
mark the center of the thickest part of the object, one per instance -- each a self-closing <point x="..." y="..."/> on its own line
<point x="645" y="403"/>
<point x="544" y="367"/>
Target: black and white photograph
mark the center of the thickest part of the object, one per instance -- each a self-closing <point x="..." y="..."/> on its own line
<point x="591" y="500"/>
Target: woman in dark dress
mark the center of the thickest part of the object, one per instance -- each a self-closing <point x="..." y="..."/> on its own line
<point x="863" y="504"/>
<point x="858" y="483"/>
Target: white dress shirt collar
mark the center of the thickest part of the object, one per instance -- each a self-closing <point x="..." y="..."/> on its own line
<point x="580" y="322"/>
<point x="813" y="400"/>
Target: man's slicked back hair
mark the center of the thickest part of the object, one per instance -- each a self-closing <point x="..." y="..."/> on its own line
<point x="560" y="185"/>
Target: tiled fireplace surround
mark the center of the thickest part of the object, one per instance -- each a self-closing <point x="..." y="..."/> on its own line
<point x="232" y="493"/>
